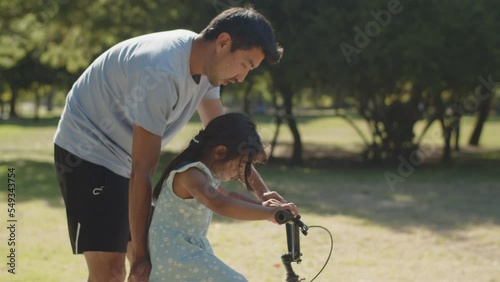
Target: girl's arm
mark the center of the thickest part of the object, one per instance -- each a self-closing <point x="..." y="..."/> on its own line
<point x="195" y="182"/>
<point x="239" y="196"/>
<point x="268" y="203"/>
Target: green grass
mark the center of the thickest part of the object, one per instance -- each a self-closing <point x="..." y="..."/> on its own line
<point x="441" y="224"/>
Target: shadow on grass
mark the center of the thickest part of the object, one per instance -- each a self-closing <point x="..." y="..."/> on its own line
<point x="438" y="197"/>
<point x="30" y="122"/>
<point x="435" y="196"/>
<point x="37" y="180"/>
<point x="34" y="181"/>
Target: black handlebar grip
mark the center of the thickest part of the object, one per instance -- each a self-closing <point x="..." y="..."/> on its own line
<point x="283" y="216"/>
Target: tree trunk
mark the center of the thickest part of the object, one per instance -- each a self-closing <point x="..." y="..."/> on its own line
<point x="246" y="99"/>
<point x="357" y="129"/>
<point x="447" y="141"/>
<point x="2" y="109"/>
<point x="277" y="115"/>
<point x="482" y="115"/>
<point x="424" y="131"/>
<point x="292" y="124"/>
<point x="13" y="102"/>
<point x="456" y="116"/>
<point x="50" y="101"/>
<point x="37" y="106"/>
<point x="440" y="115"/>
<point x="276" y="133"/>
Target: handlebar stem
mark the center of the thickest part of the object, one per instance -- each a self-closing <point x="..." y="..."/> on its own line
<point x="293" y="228"/>
<point x="287" y="260"/>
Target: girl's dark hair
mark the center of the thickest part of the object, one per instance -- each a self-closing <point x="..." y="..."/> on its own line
<point x="234" y="131"/>
<point x="248" y="29"/>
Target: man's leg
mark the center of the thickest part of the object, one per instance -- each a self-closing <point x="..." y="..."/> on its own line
<point x="105" y="266"/>
<point x="97" y="211"/>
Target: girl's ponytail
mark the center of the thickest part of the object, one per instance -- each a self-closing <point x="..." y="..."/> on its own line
<point x="191" y="154"/>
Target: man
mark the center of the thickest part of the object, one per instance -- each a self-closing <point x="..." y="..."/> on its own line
<point x="124" y="108"/>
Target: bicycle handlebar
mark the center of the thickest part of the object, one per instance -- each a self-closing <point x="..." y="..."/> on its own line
<point x="285" y="216"/>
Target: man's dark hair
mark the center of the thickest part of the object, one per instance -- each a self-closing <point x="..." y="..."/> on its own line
<point x="248" y="29"/>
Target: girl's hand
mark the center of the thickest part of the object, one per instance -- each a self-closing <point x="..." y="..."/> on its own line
<point x="291" y="207"/>
<point x="282" y="206"/>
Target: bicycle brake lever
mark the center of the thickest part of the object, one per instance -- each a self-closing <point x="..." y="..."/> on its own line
<point x="303" y="228"/>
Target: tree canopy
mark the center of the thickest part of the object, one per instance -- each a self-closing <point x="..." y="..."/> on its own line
<point x="395" y="61"/>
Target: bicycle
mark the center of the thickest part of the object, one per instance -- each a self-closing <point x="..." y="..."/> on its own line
<point x="293" y="226"/>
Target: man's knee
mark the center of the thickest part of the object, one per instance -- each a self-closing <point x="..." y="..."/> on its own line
<point x="105" y="266"/>
<point x="118" y="274"/>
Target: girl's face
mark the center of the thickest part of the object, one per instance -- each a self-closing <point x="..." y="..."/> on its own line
<point x="232" y="169"/>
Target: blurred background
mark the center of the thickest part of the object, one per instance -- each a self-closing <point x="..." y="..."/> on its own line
<point x="382" y="119"/>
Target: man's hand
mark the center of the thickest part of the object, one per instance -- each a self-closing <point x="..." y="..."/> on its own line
<point x="272" y="195"/>
<point x="140" y="270"/>
<point x="271" y="203"/>
<point x="277" y="204"/>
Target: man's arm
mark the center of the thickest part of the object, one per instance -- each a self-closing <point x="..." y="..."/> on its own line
<point x="209" y="109"/>
<point x="146" y="148"/>
<point x="260" y="189"/>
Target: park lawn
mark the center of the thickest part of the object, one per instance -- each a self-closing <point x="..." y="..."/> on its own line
<point x="442" y="223"/>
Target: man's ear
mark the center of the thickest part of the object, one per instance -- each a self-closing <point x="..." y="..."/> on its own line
<point x="220" y="152"/>
<point x="222" y="42"/>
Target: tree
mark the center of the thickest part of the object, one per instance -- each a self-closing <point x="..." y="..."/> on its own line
<point x="304" y="29"/>
<point x="399" y="58"/>
<point x="68" y="35"/>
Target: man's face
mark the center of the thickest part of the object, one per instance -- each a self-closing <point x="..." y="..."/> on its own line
<point x="230" y="67"/>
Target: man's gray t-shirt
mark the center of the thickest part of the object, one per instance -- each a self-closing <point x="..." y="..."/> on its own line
<point x="144" y="81"/>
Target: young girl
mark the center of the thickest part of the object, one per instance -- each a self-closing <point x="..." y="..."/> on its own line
<point x="188" y="193"/>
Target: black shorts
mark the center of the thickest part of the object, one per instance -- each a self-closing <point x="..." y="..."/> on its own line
<point x="96" y="202"/>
